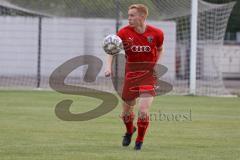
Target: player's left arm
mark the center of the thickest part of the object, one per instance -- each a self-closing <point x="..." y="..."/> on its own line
<point x="159" y="44"/>
<point x="160" y="51"/>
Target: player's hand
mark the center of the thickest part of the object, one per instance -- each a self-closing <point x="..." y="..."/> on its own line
<point x="108" y="73"/>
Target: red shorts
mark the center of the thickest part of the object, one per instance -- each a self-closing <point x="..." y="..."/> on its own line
<point x="136" y="83"/>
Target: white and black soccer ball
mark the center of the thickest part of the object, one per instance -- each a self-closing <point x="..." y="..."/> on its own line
<point x="112" y="44"/>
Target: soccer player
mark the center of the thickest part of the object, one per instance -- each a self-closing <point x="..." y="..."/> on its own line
<point x="143" y="47"/>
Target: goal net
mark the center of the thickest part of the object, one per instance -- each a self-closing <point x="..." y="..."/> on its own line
<point x="39" y="36"/>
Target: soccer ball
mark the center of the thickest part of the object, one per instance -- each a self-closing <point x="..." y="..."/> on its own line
<point x="112" y="44"/>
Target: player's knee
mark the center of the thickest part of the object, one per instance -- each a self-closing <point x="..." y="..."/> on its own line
<point x="129" y="103"/>
<point x="144" y="107"/>
<point x="127" y="109"/>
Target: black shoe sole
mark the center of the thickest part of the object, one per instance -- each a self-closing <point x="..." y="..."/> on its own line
<point x="125" y="145"/>
<point x="138" y="147"/>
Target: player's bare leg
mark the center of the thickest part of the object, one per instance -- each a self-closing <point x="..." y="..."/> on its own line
<point x="145" y="101"/>
<point x="128" y="118"/>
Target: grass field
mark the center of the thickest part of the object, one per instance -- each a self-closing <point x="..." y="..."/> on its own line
<point x="29" y="129"/>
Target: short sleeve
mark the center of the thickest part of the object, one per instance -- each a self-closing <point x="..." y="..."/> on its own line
<point x="120" y="34"/>
<point x="160" y="38"/>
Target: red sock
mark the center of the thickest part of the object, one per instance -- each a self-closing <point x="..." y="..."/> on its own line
<point x="128" y="121"/>
<point x="142" y="127"/>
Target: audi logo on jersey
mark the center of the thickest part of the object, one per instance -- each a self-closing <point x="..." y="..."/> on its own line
<point x="136" y="48"/>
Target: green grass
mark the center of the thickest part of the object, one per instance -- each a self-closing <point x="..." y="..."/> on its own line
<point x="29" y="129"/>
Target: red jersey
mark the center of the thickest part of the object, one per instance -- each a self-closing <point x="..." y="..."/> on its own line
<point x="141" y="47"/>
<point x="141" y="57"/>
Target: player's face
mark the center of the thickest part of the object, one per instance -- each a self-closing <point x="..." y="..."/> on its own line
<point x="134" y="18"/>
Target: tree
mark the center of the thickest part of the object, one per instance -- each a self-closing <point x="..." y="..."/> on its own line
<point x="234" y="20"/>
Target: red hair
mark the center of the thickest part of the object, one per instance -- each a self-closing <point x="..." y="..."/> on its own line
<point x="141" y="8"/>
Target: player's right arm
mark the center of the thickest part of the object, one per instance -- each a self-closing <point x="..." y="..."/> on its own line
<point x="108" y="70"/>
